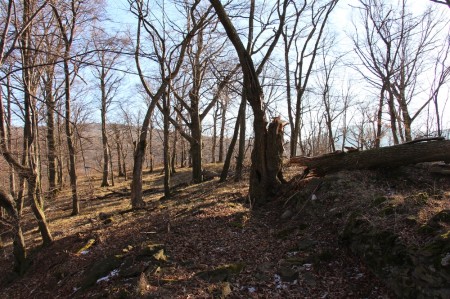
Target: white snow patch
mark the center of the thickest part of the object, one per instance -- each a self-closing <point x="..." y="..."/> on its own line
<point x="112" y="274"/>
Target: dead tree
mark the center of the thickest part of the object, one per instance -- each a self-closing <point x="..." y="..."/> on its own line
<point x="385" y="157"/>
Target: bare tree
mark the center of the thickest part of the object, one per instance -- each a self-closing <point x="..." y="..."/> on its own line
<point x="70" y="17"/>
<point x="263" y="180"/>
<point x="306" y="39"/>
<point x="27" y="169"/>
<point x="441" y="78"/>
<point x="107" y="53"/>
<point x="168" y="58"/>
<point x="54" y="45"/>
<point x="393" y="48"/>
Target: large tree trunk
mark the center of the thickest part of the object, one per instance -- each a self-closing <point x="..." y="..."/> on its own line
<point x="51" y="143"/>
<point x="105" y="182"/>
<point x="19" y="249"/>
<point x="139" y="156"/>
<point x="263" y="181"/>
<point x="69" y="138"/>
<point x="196" y="145"/>
<point x="167" y="173"/>
<point x="34" y="196"/>
<point x="384" y="157"/>
<point x="12" y="181"/>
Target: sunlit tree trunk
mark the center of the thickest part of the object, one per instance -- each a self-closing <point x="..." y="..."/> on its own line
<point x="263" y="180"/>
<point x="166" y="146"/>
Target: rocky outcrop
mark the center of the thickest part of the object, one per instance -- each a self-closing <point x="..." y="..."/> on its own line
<point x="421" y="272"/>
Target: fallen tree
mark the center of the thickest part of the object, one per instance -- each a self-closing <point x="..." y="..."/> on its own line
<point x="426" y="150"/>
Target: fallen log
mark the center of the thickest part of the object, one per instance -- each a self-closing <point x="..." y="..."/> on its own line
<point x="384" y="157"/>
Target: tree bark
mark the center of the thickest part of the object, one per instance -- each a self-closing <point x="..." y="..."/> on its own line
<point x="105" y="181"/>
<point x="222" y="131"/>
<point x="384" y="157"/>
<point x="167" y="173"/>
<point x="226" y="164"/>
<point x="67" y="33"/>
<point x="241" y="149"/>
<point x="263" y="181"/>
<point x="19" y="249"/>
<point x="51" y="143"/>
<point x="214" y="134"/>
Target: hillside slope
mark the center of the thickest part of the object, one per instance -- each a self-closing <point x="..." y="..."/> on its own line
<point x="206" y="242"/>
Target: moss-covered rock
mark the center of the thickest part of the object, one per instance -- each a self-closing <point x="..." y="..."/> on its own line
<point x="221" y="273"/>
<point x="409" y="272"/>
<point x="98" y="270"/>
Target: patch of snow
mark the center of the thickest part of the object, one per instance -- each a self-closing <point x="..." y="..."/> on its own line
<point x="84" y="252"/>
<point x="292" y="253"/>
<point x="307" y="266"/>
<point x="359" y="275"/>
<point x="112" y="274"/>
<point x="278" y="282"/>
<point x="251" y="290"/>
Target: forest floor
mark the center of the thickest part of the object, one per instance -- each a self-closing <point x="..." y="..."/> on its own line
<point x="206" y="241"/>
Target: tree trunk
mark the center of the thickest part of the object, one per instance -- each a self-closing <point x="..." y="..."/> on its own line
<point x="33" y="195"/>
<point x="119" y="159"/>
<point x="68" y="39"/>
<point x="222" y="132"/>
<point x="384" y="157"/>
<point x="379" y="118"/>
<point x="12" y="181"/>
<point x="111" y="167"/>
<point x="150" y="147"/>
<point x="59" y="158"/>
<point x="226" y="164"/>
<point x="69" y="138"/>
<point x="214" y="134"/>
<point x="393" y="117"/>
<point x="167" y="174"/>
<point x="105" y="182"/>
<point x="139" y="156"/>
<point x="196" y="143"/>
<point x="183" y="153"/>
<point x="51" y="143"/>
<point x="124" y="164"/>
<point x="30" y="136"/>
<point x="173" y="161"/>
<point x="19" y="248"/>
<point x="241" y="150"/>
<point x="263" y="180"/>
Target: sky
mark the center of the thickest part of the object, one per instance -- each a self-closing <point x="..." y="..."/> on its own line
<point x="123" y="20"/>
